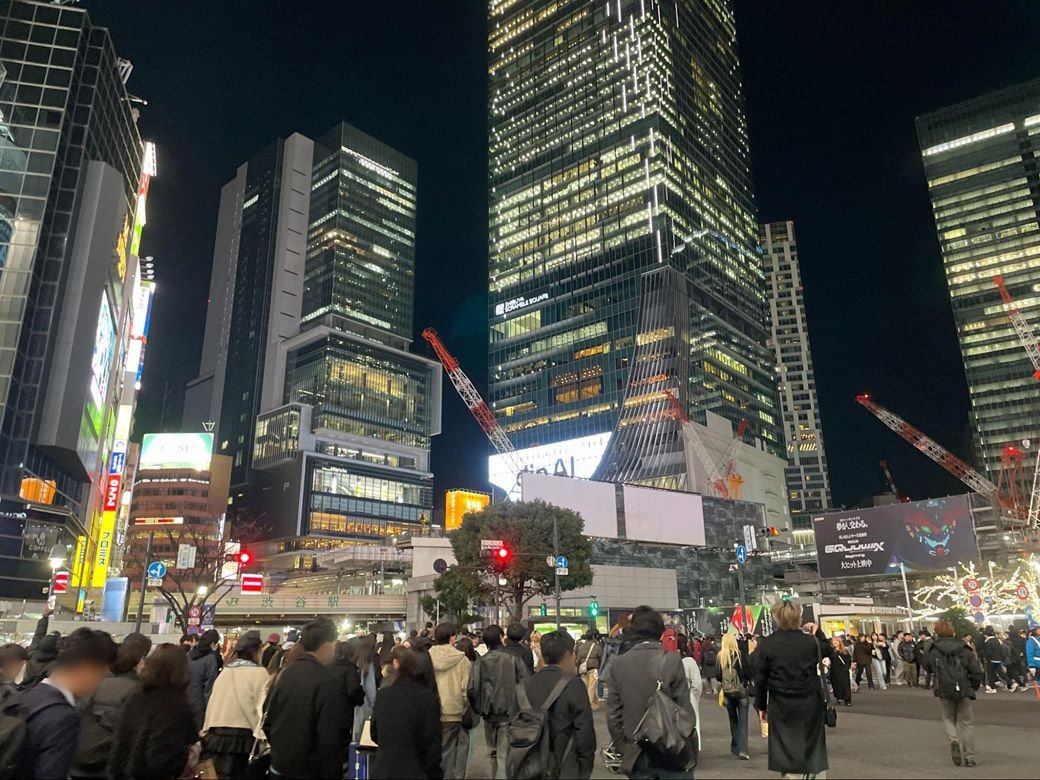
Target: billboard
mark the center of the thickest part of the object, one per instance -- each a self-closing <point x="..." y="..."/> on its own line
<point x="459" y="502"/>
<point x="569" y="458"/>
<point x="596" y="502"/>
<point x="176" y="451"/>
<point x="923" y="535"/>
<point x="654" y="515"/>
<point x="101" y="362"/>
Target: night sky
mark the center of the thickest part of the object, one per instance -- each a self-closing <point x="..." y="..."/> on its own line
<point x="832" y="91"/>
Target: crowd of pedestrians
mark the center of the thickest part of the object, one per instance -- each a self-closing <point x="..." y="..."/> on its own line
<point x="81" y="706"/>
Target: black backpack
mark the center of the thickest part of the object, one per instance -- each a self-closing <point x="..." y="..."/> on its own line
<point x="530" y="753"/>
<point x="667" y="731"/>
<point x="710" y="655"/>
<point x="951" y="678"/>
<point x="12" y="734"/>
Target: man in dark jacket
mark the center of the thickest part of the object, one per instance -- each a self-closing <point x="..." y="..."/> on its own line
<point x="958" y="676"/>
<point x="1016" y="667"/>
<point x="52" y="722"/>
<point x="203" y="667"/>
<point x="572" y="736"/>
<point x="515" y="635"/>
<point x="924" y="645"/>
<point x="907" y="651"/>
<point x="492" y="694"/>
<point x="305" y="722"/>
<point x="633" y="679"/>
<point x="991" y="653"/>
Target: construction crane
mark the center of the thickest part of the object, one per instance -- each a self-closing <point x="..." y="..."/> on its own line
<point x="931" y="448"/>
<point x="474" y="402"/>
<point x="729" y="461"/>
<point x="1029" y="343"/>
<point x="892" y="484"/>
<point x="692" y="444"/>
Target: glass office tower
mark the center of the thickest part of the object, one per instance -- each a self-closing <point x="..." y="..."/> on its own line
<point x="980" y="158"/>
<point x="618" y="145"/>
<point x="808" y="488"/>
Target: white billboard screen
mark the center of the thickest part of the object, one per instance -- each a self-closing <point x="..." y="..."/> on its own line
<point x="653" y="515"/>
<point x="594" y="501"/>
<point x="570" y="458"/>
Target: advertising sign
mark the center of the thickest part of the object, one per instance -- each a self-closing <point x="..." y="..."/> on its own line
<point x="112" y="484"/>
<point x="923" y="535"/>
<point x="103" y="555"/>
<point x="61" y="582"/>
<point x="459" y="502"/>
<point x="252" y="583"/>
<point x="571" y="458"/>
<point x="176" y="451"/>
<point x="113" y="603"/>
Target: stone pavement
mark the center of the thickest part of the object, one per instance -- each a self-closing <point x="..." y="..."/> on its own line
<point x="885" y="734"/>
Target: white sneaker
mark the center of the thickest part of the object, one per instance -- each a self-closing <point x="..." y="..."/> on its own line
<point x="990" y="690"/>
<point x="1014" y="687"/>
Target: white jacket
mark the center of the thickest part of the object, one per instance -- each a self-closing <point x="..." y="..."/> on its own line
<point x="238" y="697"/>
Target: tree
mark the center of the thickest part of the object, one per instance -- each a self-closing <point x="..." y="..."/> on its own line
<point x="457" y="590"/>
<point x="526" y="529"/>
<point x="958" y="617"/>
<point x="215" y="545"/>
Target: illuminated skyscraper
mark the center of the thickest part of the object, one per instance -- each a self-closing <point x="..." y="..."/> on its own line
<point x="618" y="147"/>
<point x="980" y="158"/>
<point x="808" y="488"/>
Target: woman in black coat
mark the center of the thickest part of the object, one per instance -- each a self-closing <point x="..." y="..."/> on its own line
<point x="157" y="728"/>
<point x="406" y="721"/>
<point x="788" y="693"/>
<point x="841" y="663"/>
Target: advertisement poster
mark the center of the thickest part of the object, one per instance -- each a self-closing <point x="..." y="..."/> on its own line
<point x="923" y="535"/>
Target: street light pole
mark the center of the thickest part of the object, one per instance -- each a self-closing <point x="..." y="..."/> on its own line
<point x="556" y="569"/>
<point x="144" y="581"/>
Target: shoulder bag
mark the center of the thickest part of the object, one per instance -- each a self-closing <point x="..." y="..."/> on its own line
<point x="830" y="716"/>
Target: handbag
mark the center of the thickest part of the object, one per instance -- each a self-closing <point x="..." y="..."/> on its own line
<point x="259" y="765"/>
<point x="470" y="718"/>
<point x="830" y="715"/>
<point x="584" y="667"/>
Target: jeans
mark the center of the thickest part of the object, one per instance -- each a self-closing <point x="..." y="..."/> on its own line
<point x="737" y="709"/>
<point x="879" y="672"/>
<point x="497" y="735"/>
<point x="957" y="720"/>
<point x="452" y="738"/>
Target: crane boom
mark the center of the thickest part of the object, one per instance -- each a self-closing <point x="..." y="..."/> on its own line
<point x="474" y="402"/>
<point x="930" y="447"/>
<point x="892" y="483"/>
<point x="1025" y="333"/>
<point x="692" y="440"/>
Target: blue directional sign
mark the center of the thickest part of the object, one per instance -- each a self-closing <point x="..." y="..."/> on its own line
<point x="562" y="562"/>
<point x="741" y="554"/>
<point x="156" y="570"/>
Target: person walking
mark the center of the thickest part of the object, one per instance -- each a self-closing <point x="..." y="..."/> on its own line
<point x="155" y="736"/>
<point x="589" y="653"/>
<point x="735" y="676"/>
<point x="52" y="722"/>
<point x="515" y="635"/>
<point x="863" y="657"/>
<point x="492" y="695"/>
<point x="924" y="644"/>
<point x="788" y="694"/>
<point x="451" y="670"/>
<point x="907" y="651"/>
<point x="877" y="660"/>
<point x="840" y="672"/>
<point x="885" y="647"/>
<point x="270" y="649"/>
<point x="1033" y="654"/>
<point x="696" y="686"/>
<point x="384" y="650"/>
<point x="536" y="650"/>
<point x="235" y="708"/>
<point x="896" y="677"/>
<point x="572" y="735"/>
<point x="203" y="668"/>
<point x="102" y="710"/>
<point x="406" y="721"/>
<point x="992" y="656"/>
<point x="958" y="675"/>
<point x="368" y="663"/>
<point x="709" y="663"/>
<point x="1016" y="657"/>
<point x="306" y="719"/>
<point x="635" y="676"/>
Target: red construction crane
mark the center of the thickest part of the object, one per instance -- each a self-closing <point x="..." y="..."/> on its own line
<point x="892" y="484"/>
<point x="474" y="402"/>
<point x="930" y="447"/>
<point x="729" y="459"/>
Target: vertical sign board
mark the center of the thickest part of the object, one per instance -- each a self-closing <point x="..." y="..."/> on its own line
<point x="106" y="533"/>
<point x="78" y="560"/>
<point x="61" y="582"/>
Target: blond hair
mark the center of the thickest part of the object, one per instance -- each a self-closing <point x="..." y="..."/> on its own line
<point x="729" y="654"/>
<point x="787" y="615"/>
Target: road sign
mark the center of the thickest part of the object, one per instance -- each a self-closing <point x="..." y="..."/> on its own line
<point x="194" y="615"/>
<point x="750" y="537"/>
<point x="550" y="561"/>
<point x="252" y="583"/>
<point x="186" y="556"/>
<point x="491" y="544"/>
<point x="209" y="615"/>
<point x="155" y="582"/>
<point x="562" y="562"/>
<point x="741" y="554"/>
<point x="971" y="584"/>
<point x="1021" y="591"/>
<point x="561" y="570"/>
<point x="156" y="570"/>
<point x="440" y="566"/>
<point x="61" y="582"/>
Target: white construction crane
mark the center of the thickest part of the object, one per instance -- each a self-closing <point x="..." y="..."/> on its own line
<point x="693" y="447"/>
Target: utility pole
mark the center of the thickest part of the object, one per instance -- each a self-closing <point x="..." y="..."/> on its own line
<point x="144" y="580"/>
<point x="556" y="569"/>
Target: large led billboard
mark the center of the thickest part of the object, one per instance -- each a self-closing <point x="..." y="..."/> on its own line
<point x="570" y="458"/>
<point x="653" y="515"/>
<point x="596" y="502"/>
<point x="458" y="502"/>
<point x="176" y="451"/>
<point x="101" y="362"/>
<point x="921" y="535"/>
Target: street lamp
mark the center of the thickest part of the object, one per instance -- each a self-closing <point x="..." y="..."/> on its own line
<point x="202" y="590"/>
<point x="57" y="560"/>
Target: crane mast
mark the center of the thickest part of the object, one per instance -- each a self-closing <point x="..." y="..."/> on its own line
<point x="892" y="483"/>
<point x="474" y="401"/>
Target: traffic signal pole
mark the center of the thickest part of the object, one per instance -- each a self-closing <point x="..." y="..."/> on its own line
<point x="144" y="580"/>
<point x="556" y="569"/>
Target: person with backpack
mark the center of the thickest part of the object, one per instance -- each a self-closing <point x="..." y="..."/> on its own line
<point x="734" y="672"/>
<point x="589" y="652"/>
<point x="709" y="663"/>
<point x="492" y="695"/>
<point x="553" y="736"/>
<point x="406" y="720"/>
<point x="648" y="687"/>
<point x="50" y="722"/>
<point x="958" y="675"/>
<point x="789" y="694"/>
<point x="102" y="710"/>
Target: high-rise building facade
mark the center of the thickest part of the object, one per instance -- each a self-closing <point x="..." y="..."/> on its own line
<point x="808" y="488"/>
<point x="981" y="161"/>
<point x="618" y="146"/>
<point x="73" y="295"/>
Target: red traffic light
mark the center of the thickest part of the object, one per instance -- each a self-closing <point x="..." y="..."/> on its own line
<point x="245" y="557"/>
<point x="774" y="531"/>
<point x="502" y="553"/>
